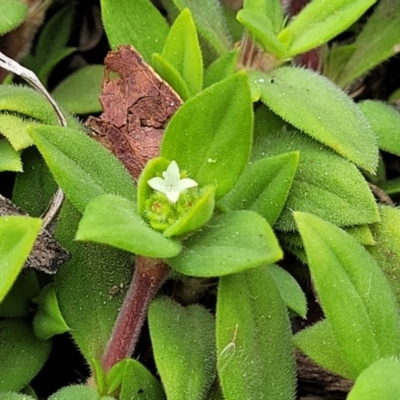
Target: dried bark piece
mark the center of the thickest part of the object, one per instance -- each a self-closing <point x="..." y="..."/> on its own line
<point x="137" y="105"/>
<point x="46" y="255"/>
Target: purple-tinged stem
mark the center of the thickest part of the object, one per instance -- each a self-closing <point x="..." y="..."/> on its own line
<point x="149" y="275"/>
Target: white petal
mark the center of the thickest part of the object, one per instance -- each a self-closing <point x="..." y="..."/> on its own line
<point x="158" y="184"/>
<point x="172" y="175"/>
<point x="185" y="183"/>
<point x="173" y="196"/>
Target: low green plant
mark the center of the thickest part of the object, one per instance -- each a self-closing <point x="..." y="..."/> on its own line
<point x="265" y="166"/>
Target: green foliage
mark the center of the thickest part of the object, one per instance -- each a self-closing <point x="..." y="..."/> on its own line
<point x="353" y="292"/>
<point x="88" y="82"/>
<point x="294" y="175"/>
<point x="379" y="381"/>
<point x="22" y="354"/>
<point x="204" y="144"/>
<point x="12" y="12"/>
<point x="138" y="23"/>
<point x="183" y="342"/>
<point x="17" y="236"/>
<point x="254" y="345"/>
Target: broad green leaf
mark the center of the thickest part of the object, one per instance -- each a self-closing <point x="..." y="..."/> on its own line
<point x="12" y="14"/>
<point x="17" y="236"/>
<point x="182" y="50"/>
<point x="385" y="121"/>
<point x="29" y="103"/>
<point x="372" y="49"/>
<point x="80" y="91"/>
<point x="254" y="342"/>
<point x="379" y="381"/>
<point x="335" y="59"/>
<point x="90" y="287"/>
<point x="228" y="244"/>
<point x="290" y="290"/>
<point x="137" y="23"/>
<point x="81" y="166"/>
<point x="316" y="106"/>
<point x="271" y="8"/>
<point x="318" y="343"/>
<point x="387" y="246"/>
<point x="170" y="74"/>
<point x="81" y="392"/>
<point x="183" y="341"/>
<point x="210" y="22"/>
<point x="48" y="320"/>
<point x="113" y="220"/>
<point x="10" y="159"/>
<point x="18" y="302"/>
<point x="15" y="396"/>
<point x="34" y="188"/>
<point x="261" y="27"/>
<point x="138" y="380"/>
<point x="210" y="135"/>
<point x="22" y="354"/>
<point x="321" y="21"/>
<point x="221" y="68"/>
<point x="263" y="186"/>
<point x="13" y="128"/>
<point x="353" y="292"/>
<point x="325" y="184"/>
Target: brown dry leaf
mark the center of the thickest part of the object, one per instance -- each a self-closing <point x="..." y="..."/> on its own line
<point x="137" y="105"/>
<point x="46" y="255"/>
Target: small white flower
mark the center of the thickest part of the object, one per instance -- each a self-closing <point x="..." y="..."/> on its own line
<point x="172" y="185"/>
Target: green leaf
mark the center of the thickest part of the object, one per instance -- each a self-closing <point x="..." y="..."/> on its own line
<point x="316" y="106"/>
<point x="22" y="354"/>
<point x="210" y="21"/>
<point x="34" y="188"/>
<point x="262" y="28"/>
<point x="171" y="75"/>
<point x="263" y="186"/>
<point x="15" y="396"/>
<point x="325" y="184"/>
<point x="81" y="392"/>
<point x="214" y="145"/>
<point x="81" y="166"/>
<point x="379" y="381"/>
<point x="113" y="220"/>
<point x="387" y="246"/>
<point x="80" y="91"/>
<point x="353" y="292"/>
<point x="137" y="380"/>
<point x="372" y="49"/>
<point x="48" y="320"/>
<point x="17" y="303"/>
<point x="182" y="50"/>
<point x="137" y="23"/>
<point x="290" y="290"/>
<point x="228" y="244"/>
<point x="183" y="340"/>
<point x="10" y="159"/>
<point x="271" y="8"/>
<point x="318" y="343"/>
<point x="385" y="122"/>
<point x="13" y="13"/>
<point x="221" y="68"/>
<point x="17" y="236"/>
<point x="13" y="128"/>
<point x="90" y="287"/>
<point x="321" y="21"/>
<point x="254" y="342"/>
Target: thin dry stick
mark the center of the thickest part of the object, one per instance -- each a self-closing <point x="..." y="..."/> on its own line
<point x="17" y="69"/>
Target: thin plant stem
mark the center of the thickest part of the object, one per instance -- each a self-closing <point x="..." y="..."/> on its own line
<point x="148" y="277"/>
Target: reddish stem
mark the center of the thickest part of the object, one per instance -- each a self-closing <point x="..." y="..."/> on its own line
<point x="149" y="275"/>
